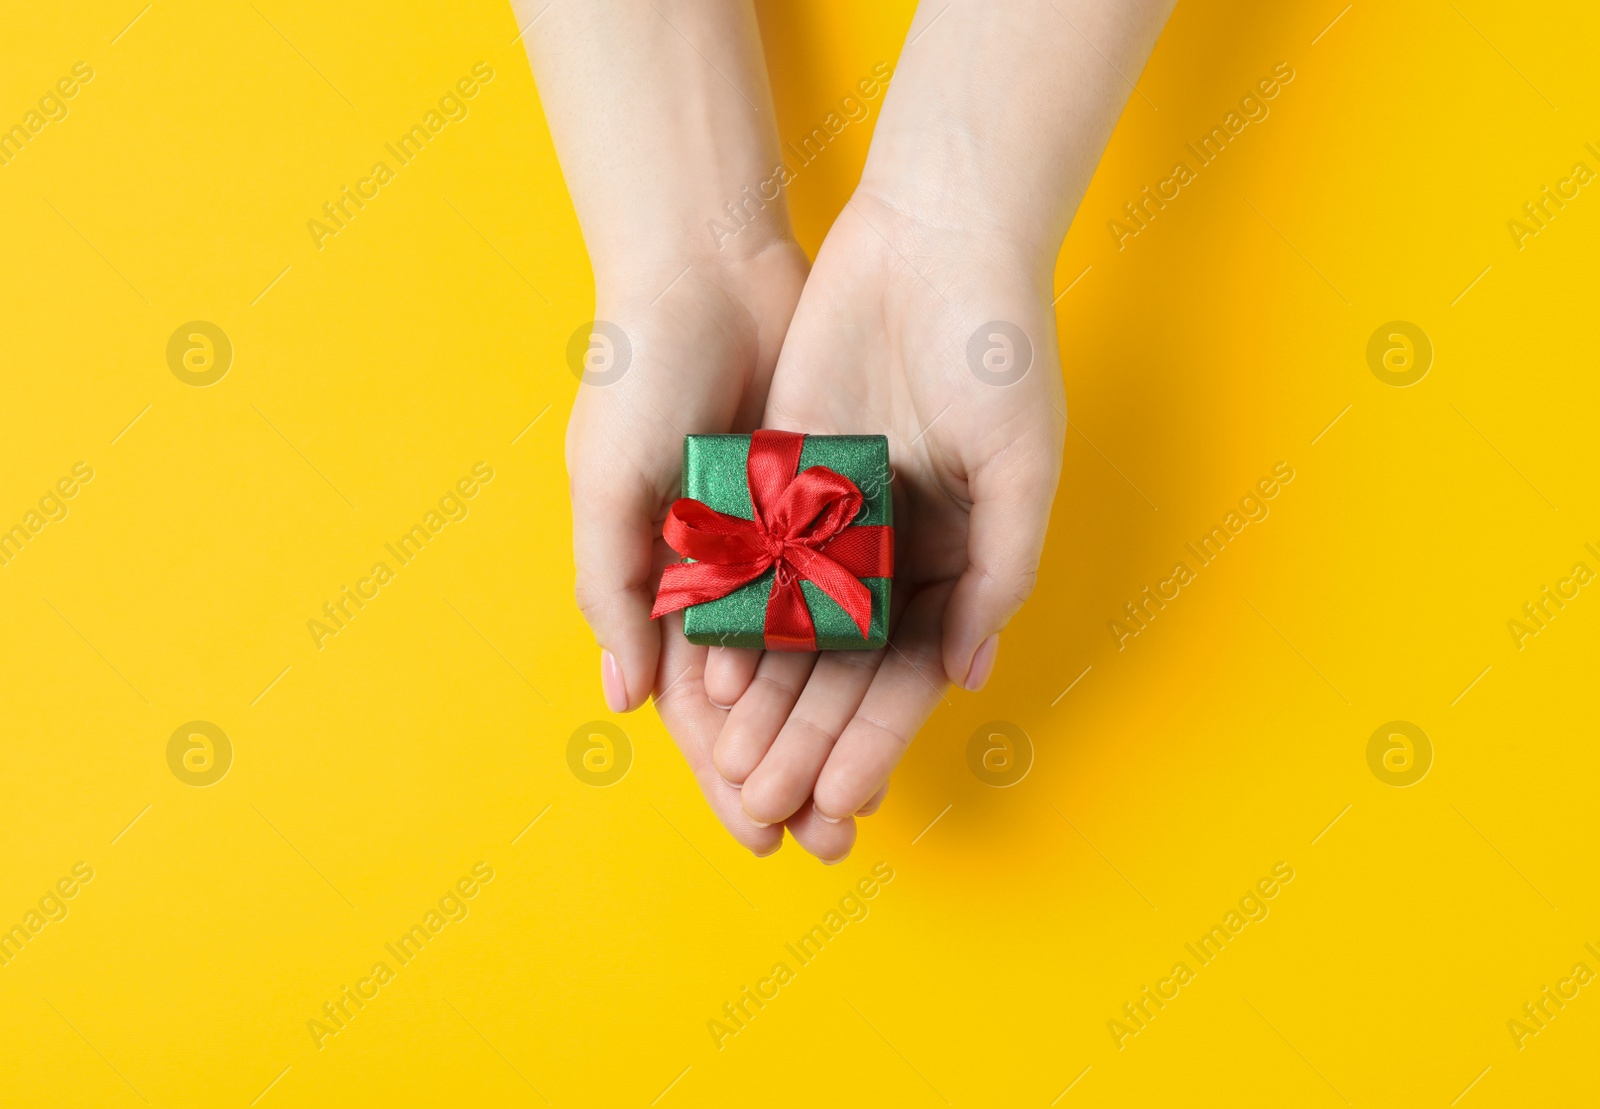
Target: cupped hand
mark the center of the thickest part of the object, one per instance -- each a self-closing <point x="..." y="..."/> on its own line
<point x="686" y="346"/>
<point x="943" y="339"/>
<point x="698" y="344"/>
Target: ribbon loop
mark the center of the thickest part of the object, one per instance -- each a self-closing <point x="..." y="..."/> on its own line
<point x="801" y="527"/>
<point x="817" y="505"/>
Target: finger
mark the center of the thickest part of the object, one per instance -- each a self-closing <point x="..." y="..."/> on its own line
<point x="781" y="784"/>
<point x="694" y="723"/>
<point x="907" y="687"/>
<point x="728" y="674"/>
<point x="1005" y="537"/>
<point x="613" y="533"/>
<point x="755" y="718"/>
<point x="874" y="803"/>
<point x="832" y="843"/>
<point x="788" y="771"/>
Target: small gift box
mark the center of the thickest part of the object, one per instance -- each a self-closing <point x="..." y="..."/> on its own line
<point x="789" y="540"/>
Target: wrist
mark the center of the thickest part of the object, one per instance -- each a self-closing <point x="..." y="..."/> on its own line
<point x="663" y="123"/>
<point x="647" y="278"/>
<point x="944" y="172"/>
<point x="653" y="243"/>
<point x="943" y="194"/>
<point x="999" y="112"/>
<point x="988" y="241"/>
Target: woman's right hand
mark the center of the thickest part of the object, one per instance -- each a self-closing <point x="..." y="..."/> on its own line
<point x="700" y="344"/>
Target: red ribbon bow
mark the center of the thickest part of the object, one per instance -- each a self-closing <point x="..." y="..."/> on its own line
<point x="801" y="526"/>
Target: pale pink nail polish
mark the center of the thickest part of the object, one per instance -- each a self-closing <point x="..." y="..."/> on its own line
<point x="612" y="683"/>
<point x="982" y="663"/>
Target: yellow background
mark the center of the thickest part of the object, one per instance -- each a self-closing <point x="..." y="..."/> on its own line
<point x="427" y="735"/>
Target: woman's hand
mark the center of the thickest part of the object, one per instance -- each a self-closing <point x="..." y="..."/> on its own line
<point x="702" y="354"/>
<point x="662" y="117"/>
<point x="943" y="339"/>
<point x="927" y="318"/>
<point x="692" y="352"/>
<point x="701" y="344"/>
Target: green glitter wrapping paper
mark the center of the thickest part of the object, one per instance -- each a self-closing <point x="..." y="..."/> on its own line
<point x="714" y="473"/>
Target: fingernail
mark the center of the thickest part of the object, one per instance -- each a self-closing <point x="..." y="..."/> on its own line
<point x="775" y="849"/>
<point x="836" y="862"/>
<point x="612" y="684"/>
<point x="982" y="663"/>
<point x="825" y="818"/>
<point x="719" y="705"/>
<point x="758" y="823"/>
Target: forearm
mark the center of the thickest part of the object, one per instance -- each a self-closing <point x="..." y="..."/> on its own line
<point x="1000" y="112"/>
<point x="661" y="116"/>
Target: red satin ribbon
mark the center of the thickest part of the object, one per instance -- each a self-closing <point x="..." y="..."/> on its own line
<point x="801" y="526"/>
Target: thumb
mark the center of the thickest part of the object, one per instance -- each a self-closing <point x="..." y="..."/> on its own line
<point x="613" y="536"/>
<point x="1005" y="537"/>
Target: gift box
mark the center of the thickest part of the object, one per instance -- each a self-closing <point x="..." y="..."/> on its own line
<point x="789" y="542"/>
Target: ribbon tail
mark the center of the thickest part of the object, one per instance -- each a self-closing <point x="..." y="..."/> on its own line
<point x="693" y="583"/>
<point x="837" y="582"/>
